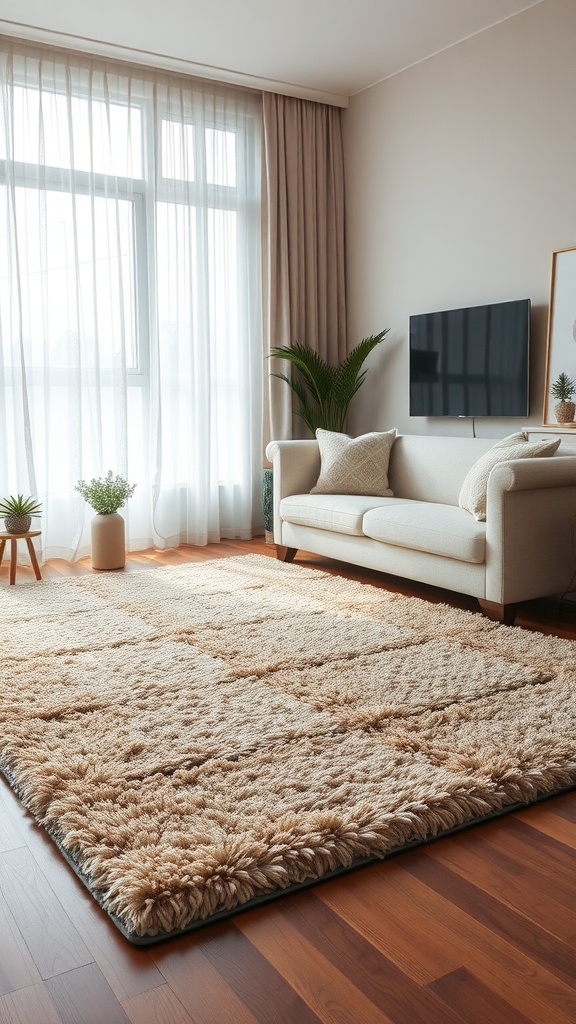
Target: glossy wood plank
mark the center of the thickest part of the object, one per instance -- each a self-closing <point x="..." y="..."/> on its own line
<point x="128" y="969"/>
<point x="390" y="928"/>
<point x="10" y="839"/>
<point x="329" y="993"/>
<point x="437" y="921"/>
<point x="476" y="1003"/>
<point x="197" y="984"/>
<point x="565" y="807"/>
<point x="10" y="836"/>
<point x="82" y="996"/>
<point x="534" y="849"/>
<point x="49" y="934"/>
<point x="518" y="929"/>
<point x="157" y="1006"/>
<point x="29" y="1006"/>
<point x="239" y="963"/>
<point x="379" y="979"/>
<point x="531" y="895"/>
<point x="544" y="818"/>
<point x="17" y="968"/>
<point x="493" y="955"/>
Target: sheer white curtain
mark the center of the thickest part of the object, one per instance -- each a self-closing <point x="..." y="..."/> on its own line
<point x="130" y="297"/>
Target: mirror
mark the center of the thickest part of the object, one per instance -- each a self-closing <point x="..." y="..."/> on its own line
<point x="561" y="342"/>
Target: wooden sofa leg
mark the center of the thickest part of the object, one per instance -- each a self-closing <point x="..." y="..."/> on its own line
<point x="505" y="613"/>
<point x="285" y="554"/>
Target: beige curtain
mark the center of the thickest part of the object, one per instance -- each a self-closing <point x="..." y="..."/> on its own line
<point x="303" y="243"/>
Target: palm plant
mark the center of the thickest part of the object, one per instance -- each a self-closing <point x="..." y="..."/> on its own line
<point x="323" y="391"/>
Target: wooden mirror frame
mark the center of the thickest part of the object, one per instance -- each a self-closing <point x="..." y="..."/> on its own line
<point x="561" y="337"/>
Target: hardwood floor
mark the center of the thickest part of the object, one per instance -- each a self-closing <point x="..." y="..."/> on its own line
<point x="475" y="928"/>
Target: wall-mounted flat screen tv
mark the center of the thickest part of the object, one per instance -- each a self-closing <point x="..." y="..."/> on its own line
<point x="472" y="361"/>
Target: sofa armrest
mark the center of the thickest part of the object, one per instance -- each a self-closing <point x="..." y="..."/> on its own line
<point x="525" y="474"/>
<point x="528" y="528"/>
<point x="296" y="467"/>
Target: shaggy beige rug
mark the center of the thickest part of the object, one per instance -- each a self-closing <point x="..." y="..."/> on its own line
<point x="196" y="738"/>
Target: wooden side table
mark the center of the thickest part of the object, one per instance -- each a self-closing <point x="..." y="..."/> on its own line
<point x="14" y="538"/>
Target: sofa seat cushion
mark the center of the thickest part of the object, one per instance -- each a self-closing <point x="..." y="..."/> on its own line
<point x="428" y="526"/>
<point x="341" y="513"/>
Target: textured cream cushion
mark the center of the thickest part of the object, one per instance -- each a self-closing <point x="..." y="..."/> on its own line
<point x="338" y="513"/>
<point x="427" y="526"/>
<point x="354" y="465"/>
<point x="515" y="446"/>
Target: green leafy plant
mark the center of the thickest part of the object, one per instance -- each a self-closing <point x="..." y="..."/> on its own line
<point x="20" y="506"/>
<point x="563" y="388"/>
<point x="323" y="391"/>
<point x="106" y="494"/>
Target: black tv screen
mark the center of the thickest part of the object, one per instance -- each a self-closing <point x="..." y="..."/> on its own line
<point x="471" y="362"/>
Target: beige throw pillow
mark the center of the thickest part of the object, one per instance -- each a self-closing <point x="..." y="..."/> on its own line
<point x="516" y="446"/>
<point x="354" y="465"/>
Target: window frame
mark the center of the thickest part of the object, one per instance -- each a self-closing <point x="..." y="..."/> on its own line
<point x="144" y="193"/>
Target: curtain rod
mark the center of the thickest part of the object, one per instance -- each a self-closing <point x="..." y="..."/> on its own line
<point x="100" y="48"/>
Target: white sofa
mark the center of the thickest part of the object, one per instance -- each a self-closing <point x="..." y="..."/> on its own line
<point x="522" y="551"/>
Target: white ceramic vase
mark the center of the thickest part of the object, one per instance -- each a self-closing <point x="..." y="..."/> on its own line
<point x="108" y="542"/>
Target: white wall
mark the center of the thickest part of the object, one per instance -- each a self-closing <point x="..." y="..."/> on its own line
<point x="460" y="181"/>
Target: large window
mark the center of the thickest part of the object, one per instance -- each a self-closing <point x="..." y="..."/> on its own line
<point x="129" y="295"/>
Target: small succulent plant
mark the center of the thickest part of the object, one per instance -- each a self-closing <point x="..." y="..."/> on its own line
<point x="20" y="506"/>
<point x="17" y="512"/>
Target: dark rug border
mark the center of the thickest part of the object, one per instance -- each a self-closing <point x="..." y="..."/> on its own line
<point x="274" y="894"/>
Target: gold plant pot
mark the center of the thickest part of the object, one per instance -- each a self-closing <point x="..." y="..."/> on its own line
<point x="565" y="412"/>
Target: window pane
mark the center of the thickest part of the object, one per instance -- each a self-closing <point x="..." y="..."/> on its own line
<point x="177" y="307"/>
<point x="75" y="303"/>
<point x="177" y="154"/>
<point x="220" y="157"/>
<point x="199" y="341"/>
<point x="107" y="138"/>
<point x="86" y="135"/>
<point x="224" y="338"/>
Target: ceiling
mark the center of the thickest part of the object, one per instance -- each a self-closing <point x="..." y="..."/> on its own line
<point x="326" y="49"/>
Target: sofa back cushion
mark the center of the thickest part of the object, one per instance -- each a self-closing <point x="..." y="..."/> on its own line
<point x="515" y="446"/>
<point x="433" y="468"/>
<point x="354" y="465"/>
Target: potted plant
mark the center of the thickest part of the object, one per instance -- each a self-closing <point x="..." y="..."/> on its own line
<point x="324" y="392"/>
<point x="106" y="495"/>
<point x="18" y="511"/>
<point x="563" y="389"/>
